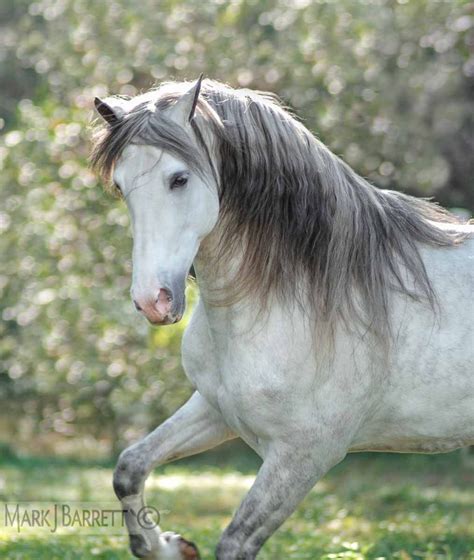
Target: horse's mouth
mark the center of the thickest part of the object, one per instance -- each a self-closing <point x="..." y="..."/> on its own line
<point x="169" y="320"/>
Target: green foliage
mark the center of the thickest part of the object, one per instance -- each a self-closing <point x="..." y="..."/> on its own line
<point x="371" y="507"/>
<point x="386" y="84"/>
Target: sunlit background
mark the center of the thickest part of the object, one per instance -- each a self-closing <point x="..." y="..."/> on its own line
<point x="387" y="85"/>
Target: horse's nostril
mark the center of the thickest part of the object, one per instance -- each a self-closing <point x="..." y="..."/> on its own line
<point x="164" y="294"/>
<point x="137" y="307"/>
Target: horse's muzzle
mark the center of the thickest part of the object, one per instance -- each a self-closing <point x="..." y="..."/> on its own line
<point x="161" y="309"/>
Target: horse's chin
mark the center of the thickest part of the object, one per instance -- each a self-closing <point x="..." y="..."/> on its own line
<point x="170" y="320"/>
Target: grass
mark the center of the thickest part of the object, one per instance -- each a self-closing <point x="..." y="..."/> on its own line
<point x="369" y="507"/>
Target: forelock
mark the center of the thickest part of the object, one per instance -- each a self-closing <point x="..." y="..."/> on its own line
<point x="148" y="123"/>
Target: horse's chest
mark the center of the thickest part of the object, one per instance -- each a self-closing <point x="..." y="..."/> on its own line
<point x="216" y="376"/>
<point x="244" y="376"/>
<point x="199" y="357"/>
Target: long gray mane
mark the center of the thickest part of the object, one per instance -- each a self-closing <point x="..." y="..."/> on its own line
<point x="301" y="216"/>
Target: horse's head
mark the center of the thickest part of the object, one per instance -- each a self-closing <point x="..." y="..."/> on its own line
<point x="172" y="205"/>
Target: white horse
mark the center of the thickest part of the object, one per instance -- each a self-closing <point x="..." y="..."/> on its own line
<point x="333" y="316"/>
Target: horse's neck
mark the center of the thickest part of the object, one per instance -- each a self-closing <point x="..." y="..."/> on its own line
<point x="213" y="274"/>
<point x="215" y="277"/>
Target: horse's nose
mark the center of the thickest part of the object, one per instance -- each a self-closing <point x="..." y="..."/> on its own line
<point x="163" y="301"/>
<point x="156" y="308"/>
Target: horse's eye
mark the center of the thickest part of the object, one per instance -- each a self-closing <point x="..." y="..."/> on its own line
<point x="178" y="181"/>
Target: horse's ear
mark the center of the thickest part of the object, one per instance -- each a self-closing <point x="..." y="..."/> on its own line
<point x="185" y="107"/>
<point x="110" y="109"/>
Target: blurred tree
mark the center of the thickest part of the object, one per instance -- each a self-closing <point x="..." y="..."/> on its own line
<point x="388" y="85"/>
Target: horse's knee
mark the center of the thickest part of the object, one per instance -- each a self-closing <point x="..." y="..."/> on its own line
<point x="129" y="473"/>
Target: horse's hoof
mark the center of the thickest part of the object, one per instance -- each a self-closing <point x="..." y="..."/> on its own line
<point x="175" y="547"/>
<point x="189" y="550"/>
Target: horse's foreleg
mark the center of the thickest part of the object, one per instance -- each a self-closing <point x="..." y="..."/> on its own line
<point x="286" y="476"/>
<point x="195" y="427"/>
